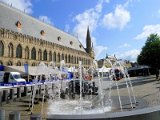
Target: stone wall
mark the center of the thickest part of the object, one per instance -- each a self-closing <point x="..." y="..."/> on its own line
<point x="54" y="52"/>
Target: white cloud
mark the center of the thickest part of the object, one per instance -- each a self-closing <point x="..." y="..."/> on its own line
<point x="117" y="19"/>
<point x="46" y="19"/>
<point x="90" y="18"/>
<point x="128" y="55"/>
<point x="147" y="30"/>
<point x="125" y="45"/>
<point x="23" y="5"/>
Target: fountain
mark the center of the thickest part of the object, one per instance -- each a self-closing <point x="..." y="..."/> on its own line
<point x="67" y="101"/>
<point x="79" y="104"/>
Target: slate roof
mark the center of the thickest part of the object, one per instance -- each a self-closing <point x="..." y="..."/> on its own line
<point x="33" y="27"/>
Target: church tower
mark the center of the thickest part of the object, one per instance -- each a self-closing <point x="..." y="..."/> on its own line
<point x="89" y="44"/>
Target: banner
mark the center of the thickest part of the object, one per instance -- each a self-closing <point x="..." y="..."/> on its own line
<point x="1" y="67"/>
<point x="26" y="68"/>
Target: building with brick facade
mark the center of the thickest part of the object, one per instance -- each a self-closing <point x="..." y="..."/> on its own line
<point x="25" y="39"/>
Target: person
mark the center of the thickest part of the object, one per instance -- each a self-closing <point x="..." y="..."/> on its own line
<point x="157" y="74"/>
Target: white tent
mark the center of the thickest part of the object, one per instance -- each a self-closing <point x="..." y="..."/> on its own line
<point x="32" y="70"/>
<point x="104" y="69"/>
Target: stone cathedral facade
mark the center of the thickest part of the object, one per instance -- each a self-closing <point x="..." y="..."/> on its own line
<point x="24" y="39"/>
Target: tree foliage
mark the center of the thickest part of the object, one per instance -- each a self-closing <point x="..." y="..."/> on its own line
<point x="150" y="54"/>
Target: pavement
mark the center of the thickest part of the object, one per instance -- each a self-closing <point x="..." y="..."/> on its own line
<point x="146" y="91"/>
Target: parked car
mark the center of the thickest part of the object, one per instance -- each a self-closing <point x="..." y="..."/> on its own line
<point x="88" y="88"/>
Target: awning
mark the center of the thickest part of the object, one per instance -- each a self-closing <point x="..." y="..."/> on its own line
<point x="32" y="70"/>
<point x="104" y="69"/>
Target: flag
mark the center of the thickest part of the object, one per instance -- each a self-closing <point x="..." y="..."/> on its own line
<point x="26" y="68"/>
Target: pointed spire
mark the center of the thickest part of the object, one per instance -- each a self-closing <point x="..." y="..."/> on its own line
<point x="88" y="41"/>
<point x="88" y="34"/>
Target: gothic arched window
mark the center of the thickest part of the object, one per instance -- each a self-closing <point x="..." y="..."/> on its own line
<point x="54" y="56"/>
<point x="72" y="59"/>
<point x="19" y="51"/>
<point x="69" y="59"/>
<point x="66" y="58"/>
<point x="59" y="57"/>
<point x="45" y="55"/>
<point x="1" y="49"/>
<point x="33" y="54"/>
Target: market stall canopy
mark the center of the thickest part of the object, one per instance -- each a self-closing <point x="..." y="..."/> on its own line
<point x="104" y="69"/>
<point x="32" y="70"/>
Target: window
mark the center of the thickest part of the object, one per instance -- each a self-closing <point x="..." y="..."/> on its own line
<point x="59" y="57"/>
<point x="54" y="56"/>
<point x="18" y="24"/>
<point x="69" y="59"/>
<point x="33" y="54"/>
<point x="71" y="42"/>
<point x="80" y="46"/>
<point x="45" y="55"/>
<point x="1" y="49"/>
<point x="19" y="51"/>
<point x="59" y="38"/>
<point x="66" y="58"/>
<point x="42" y="32"/>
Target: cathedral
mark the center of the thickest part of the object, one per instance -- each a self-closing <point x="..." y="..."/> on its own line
<point x="25" y="39"/>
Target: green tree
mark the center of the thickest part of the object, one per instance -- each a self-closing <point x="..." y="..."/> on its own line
<point x="150" y="54"/>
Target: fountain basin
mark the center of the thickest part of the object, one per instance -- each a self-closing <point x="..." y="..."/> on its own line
<point x="149" y="113"/>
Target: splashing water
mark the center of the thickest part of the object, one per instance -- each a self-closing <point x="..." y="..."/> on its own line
<point x="80" y="103"/>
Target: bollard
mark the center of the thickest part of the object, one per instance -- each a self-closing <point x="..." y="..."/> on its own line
<point x="2" y="114"/>
<point x="25" y="91"/>
<point x="35" y="117"/>
<point x="14" y="115"/>
<point x="19" y="92"/>
<point x="11" y="94"/>
<point x="5" y="96"/>
<point x="1" y="94"/>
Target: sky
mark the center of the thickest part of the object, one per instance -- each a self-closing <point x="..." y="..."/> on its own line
<point x="117" y="27"/>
